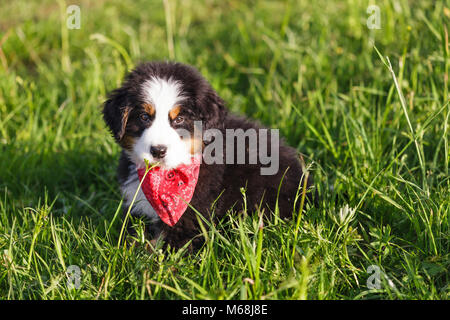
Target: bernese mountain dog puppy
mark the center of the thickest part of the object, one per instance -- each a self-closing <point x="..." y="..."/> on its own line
<point x="146" y="116"/>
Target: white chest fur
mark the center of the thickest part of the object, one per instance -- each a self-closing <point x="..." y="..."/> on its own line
<point x="141" y="206"/>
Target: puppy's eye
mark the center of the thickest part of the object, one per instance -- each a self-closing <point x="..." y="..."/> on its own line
<point x="144" y="117"/>
<point x="178" y="120"/>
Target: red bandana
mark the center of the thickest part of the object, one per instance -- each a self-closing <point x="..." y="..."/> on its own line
<point x="170" y="191"/>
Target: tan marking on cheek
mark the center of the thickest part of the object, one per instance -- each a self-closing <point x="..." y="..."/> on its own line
<point x="195" y="145"/>
<point x="149" y="108"/>
<point x="127" y="142"/>
<point x="174" y="112"/>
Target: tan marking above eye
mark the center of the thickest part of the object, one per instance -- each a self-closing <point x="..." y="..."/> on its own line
<point x="149" y="108"/>
<point x="174" y="112"/>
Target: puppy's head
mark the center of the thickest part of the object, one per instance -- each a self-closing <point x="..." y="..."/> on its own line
<point x="152" y="115"/>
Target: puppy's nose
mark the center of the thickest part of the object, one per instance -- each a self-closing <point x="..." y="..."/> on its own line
<point x="158" y="151"/>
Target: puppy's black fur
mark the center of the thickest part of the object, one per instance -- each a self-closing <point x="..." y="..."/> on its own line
<point x="226" y="180"/>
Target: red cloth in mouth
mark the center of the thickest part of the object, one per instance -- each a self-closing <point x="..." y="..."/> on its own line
<point x="170" y="190"/>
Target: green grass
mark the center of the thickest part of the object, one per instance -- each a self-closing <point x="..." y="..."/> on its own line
<point x="374" y="127"/>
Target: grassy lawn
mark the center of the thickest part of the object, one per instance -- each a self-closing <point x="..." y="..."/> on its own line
<point x="374" y="126"/>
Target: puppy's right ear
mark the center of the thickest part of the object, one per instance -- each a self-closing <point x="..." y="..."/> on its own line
<point x="115" y="113"/>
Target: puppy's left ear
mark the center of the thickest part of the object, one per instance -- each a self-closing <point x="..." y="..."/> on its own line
<point x="115" y="113"/>
<point x="214" y="111"/>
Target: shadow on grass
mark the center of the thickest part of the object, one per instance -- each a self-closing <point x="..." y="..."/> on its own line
<point x="80" y="183"/>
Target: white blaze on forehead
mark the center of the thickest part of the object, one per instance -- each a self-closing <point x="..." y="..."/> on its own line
<point x="163" y="95"/>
